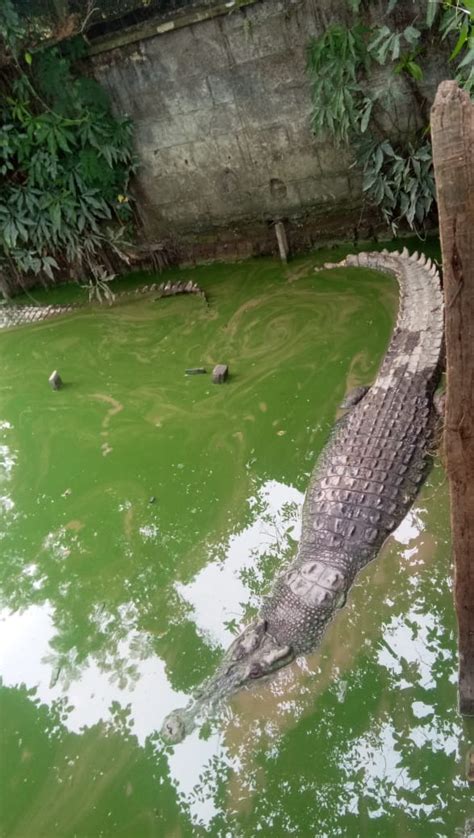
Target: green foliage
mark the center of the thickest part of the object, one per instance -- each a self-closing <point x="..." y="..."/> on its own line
<point x="65" y="162"/>
<point x="397" y="176"/>
<point x="401" y="184"/>
<point x="385" y="45"/>
<point x="458" y="20"/>
<point x="334" y="62"/>
<point x="432" y="8"/>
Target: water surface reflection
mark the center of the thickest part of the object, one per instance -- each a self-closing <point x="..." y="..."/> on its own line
<point x="123" y="577"/>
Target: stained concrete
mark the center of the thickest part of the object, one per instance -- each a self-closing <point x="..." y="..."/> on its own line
<point x="221" y="110"/>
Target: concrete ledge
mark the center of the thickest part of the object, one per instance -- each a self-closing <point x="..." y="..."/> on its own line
<point x="152" y="28"/>
<point x="306" y="232"/>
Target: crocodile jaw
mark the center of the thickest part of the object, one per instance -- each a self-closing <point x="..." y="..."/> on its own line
<point x="253" y="655"/>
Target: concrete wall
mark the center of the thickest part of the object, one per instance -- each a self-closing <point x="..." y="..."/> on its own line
<point x="221" y="112"/>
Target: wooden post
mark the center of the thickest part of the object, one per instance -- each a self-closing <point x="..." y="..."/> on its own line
<point x="452" y="125"/>
<point x="282" y="241"/>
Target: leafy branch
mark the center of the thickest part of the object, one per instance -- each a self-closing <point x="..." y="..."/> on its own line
<point x="335" y="60"/>
<point x="65" y="163"/>
<point x="397" y="175"/>
<point x="458" y="19"/>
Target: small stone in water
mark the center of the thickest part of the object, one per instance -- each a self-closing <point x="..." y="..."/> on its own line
<point x="152" y="499"/>
<point x="55" y="380"/>
<point x="196" y="371"/>
<point x="220" y="373"/>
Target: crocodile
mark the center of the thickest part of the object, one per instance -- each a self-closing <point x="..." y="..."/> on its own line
<point x="21" y="315"/>
<point x="362" y="486"/>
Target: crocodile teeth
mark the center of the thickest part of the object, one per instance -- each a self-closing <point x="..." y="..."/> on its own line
<point x="428" y="264"/>
<point x="422" y="259"/>
<point x="414" y="256"/>
<point x="405" y="253"/>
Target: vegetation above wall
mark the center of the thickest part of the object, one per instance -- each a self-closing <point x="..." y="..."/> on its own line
<point x="398" y="174"/>
<point x="64" y="167"/>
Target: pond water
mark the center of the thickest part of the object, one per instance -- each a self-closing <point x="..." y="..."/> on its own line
<point x="142" y="515"/>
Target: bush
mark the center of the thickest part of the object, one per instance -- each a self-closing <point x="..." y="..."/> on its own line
<point x="65" y="164"/>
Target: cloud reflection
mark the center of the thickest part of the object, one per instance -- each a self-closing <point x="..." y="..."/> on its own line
<point x="219" y="592"/>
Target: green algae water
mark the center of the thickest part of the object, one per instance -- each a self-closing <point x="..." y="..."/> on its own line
<point x="143" y="514"/>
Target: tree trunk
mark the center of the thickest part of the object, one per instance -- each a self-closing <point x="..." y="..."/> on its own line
<point x="452" y="121"/>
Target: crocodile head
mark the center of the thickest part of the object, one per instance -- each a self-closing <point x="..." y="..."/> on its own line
<point x="254" y="654"/>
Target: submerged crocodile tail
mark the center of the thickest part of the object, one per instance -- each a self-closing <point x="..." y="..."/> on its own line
<point x="22" y="315"/>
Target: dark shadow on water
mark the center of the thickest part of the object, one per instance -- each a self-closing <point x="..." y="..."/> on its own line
<point x="66" y="385"/>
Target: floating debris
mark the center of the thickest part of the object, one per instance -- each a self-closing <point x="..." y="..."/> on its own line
<point x="220" y="373"/>
<point x="55" y="380"/>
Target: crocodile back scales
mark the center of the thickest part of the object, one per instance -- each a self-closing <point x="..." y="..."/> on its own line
<point x="369" y="473"/>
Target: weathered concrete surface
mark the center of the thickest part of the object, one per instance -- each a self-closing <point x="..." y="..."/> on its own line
<point x="221" y="112"/>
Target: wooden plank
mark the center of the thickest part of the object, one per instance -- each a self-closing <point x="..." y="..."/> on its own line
<point x="452" y="125"/>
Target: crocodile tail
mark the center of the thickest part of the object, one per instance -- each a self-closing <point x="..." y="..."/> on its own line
<point x="417" y="340"/>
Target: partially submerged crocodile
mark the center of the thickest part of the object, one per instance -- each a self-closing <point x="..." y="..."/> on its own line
<point x="364" y="482"/>
<point x="20" y="315"/>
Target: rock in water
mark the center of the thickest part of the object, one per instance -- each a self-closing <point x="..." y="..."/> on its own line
<point x="220" y="373"/>
<point x="55" y="380"/>
<point x="196" y="371"/>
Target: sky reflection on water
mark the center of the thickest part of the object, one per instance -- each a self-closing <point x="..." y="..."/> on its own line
<point x="26" y="654"/>
<point x="150" y="696"/>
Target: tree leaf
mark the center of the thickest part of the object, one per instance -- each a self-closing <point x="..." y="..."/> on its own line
<point x="460" y="41"/>
<point x="468" y="58"/>
<point x="411" y="34"/>
<point x="365" y="119"/>
<point x="431" y="12"/>
<point x="395" y="47"/>
<point x="415" y="70"/>
<point x="378" y="158"/>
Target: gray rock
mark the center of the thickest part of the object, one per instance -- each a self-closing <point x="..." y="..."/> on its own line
<point x="55" y="380"/>
<point x="220" y="373"/>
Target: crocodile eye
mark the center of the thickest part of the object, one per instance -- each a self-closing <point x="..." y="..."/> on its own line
<point x="255" y="671"/>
